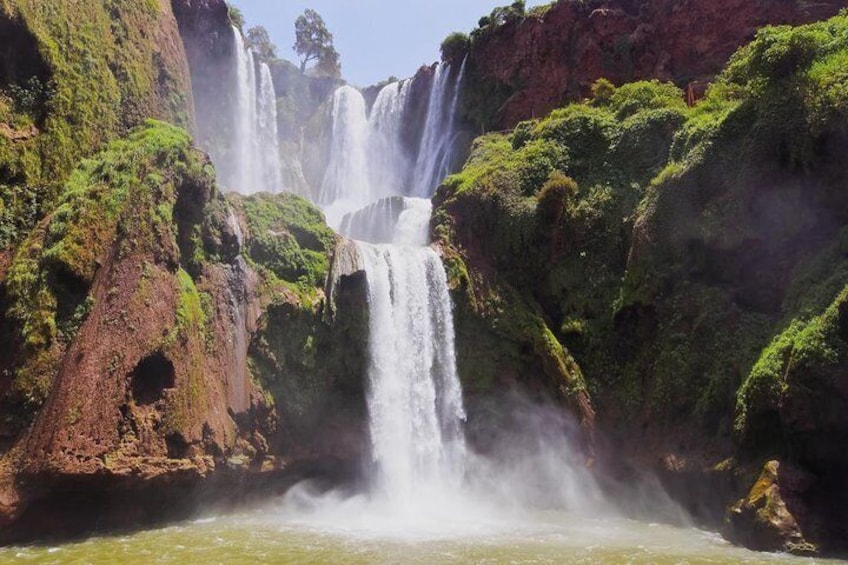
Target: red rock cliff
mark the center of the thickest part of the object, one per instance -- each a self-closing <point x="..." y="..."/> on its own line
<point x="528" y="66"/>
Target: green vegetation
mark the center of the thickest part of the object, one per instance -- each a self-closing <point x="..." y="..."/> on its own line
<point x="499" y="17"/>
<point x="313" y="42"/>
<point x="88" y="71"/>
<point x="259" y="41"/>
<point x="288" y="238"/>
<point x="801" y="366"/>
<point x="119" y="203"/>
<point x="455" y="47"/>
<point x="236" y="16"/>
<point x="666" y="246"/>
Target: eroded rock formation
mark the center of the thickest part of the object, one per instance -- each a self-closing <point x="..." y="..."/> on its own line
<point x="525" y="67"/>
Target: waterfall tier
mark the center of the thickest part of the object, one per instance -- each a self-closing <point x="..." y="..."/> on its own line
<point x="369" y="159"/>
<point x="415" y="398"/>
<point x="396" y="219"/>
<point x="246" y="151"/>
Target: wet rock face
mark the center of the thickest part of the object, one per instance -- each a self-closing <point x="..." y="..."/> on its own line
<point x="202" y="24"/>
<point x="130" y="379"/>
<point x="769" y="517"/>
<point x="22" y="67"/>
<point x="208" y="40"/>
<point x="526" y="68"/>
<point x="312" y="361"/>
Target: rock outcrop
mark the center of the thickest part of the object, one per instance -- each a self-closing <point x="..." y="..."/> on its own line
<point x="170" y="343"/>
<point x="763" y="520"/>
<point x="523" y="66"/>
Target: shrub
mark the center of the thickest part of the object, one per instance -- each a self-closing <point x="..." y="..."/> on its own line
<point x="602" y="92"/>
<point x="523" y="133"/>
<point x="635" y="97"/>
<point x="534" y="163"/>
<point x="455" y="47"/>
<point x="557" y="195"/>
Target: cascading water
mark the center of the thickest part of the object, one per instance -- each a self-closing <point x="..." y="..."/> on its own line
<point x="269" y="141"/>
<point x="434" y="154"/>
<point x="396" y="219"/>
<point x="246" y="142"/>
<point x="389" y="161"/>
<point x="420" y="467"/>
<point x="248" y="158"/>
<point x="369" y="159"/>
<point x="449" y="137"/>
<point x="346" y="185"/>
<point x="415" y="398"/>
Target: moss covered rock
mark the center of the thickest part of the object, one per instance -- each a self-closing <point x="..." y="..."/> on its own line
<point x="763" y="520"/>
<point x="75" y="77"/>
<point x="685" y="242"/>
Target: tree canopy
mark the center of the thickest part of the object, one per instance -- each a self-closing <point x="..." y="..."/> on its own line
<point x="259" y="41"/>
<point x="313" y="42"/>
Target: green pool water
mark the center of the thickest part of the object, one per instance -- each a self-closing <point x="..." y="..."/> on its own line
<point x="271" y="536"/>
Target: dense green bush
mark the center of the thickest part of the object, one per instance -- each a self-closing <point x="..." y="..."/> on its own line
<point x="455" y="47"/>
<point x="557" y="195"/>
<point x="632" y="98"/>
<point x="287" y="237"/>
<point x="602" y="92"/>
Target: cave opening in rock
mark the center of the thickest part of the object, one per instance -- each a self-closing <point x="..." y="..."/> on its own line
<point x="151" y="377"/>
<point x="25" y="78"/>
<point x="177" y="446"/>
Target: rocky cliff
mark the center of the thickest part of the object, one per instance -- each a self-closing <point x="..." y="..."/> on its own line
<point x="522" y="65"/>
<point x="688" y="265"/>
<point x="170" y="343"/>
<point x="674" y="275"/>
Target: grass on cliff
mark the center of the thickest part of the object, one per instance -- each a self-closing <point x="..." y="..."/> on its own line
<point x="90" y="69"/>
<point x="287" y="237"/>
<point x="646" y="270"/>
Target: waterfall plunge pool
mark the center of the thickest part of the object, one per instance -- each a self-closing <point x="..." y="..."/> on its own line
<point x="275" y="534"/>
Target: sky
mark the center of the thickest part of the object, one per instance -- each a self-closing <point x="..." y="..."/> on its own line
<point x="375" y="38"/>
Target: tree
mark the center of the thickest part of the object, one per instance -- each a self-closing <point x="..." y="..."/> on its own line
<point x="260" y="42"/>
<point x="455" y="47"/>
<point x="236" y="17"/>
<point x="313" y="42"/>
<point x="329" y="64"/>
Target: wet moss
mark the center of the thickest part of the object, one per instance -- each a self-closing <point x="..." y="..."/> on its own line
<point x="103" y="72"/>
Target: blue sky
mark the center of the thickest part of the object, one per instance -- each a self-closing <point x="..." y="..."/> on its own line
<point x="376" y="38"/>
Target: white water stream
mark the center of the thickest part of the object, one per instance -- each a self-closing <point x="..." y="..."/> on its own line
<point x="247" y="153"/>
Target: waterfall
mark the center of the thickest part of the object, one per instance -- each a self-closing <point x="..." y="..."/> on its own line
<point x="269" y="141"/>
<point x="369" y="158"/>
<point x="247" y="154"/>
<point x="345" y="186"/>
<point x="396" y="219"/>
<point x="390" y="161"/>
<point x="246" y="142"/>
<point x="415" y="398"/>
<point x="449" y="135"/>
<point x="438" y="130"/>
